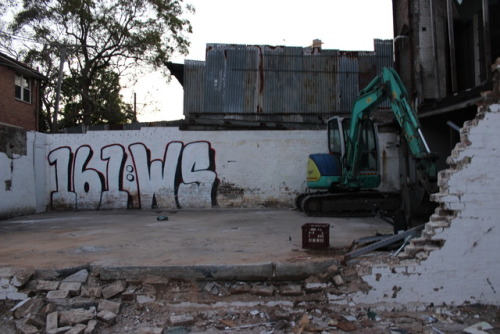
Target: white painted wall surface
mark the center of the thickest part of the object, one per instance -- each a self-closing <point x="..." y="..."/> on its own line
<point x="166" y="166"/>
<point x="467" y="267"/>
<point x="17" y="182"/>
<point x="120" y="169"/>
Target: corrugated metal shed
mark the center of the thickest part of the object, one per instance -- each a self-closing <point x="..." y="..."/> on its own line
<point x="278" y="84"/>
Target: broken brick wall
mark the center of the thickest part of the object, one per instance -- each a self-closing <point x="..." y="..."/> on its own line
<point x="455" y="261"/>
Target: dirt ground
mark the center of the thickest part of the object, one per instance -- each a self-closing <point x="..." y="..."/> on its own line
<point x="50" y="248"/>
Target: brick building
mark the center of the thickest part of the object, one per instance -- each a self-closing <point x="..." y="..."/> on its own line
<point x="20" y="89"/>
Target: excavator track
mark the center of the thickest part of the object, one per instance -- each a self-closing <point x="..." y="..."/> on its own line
<point x="349" y="204"/>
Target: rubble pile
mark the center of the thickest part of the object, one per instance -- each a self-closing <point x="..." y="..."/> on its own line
<point x="78" y="302"/>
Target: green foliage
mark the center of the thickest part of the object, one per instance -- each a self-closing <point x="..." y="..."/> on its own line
<point x="104" y="95"/>
<point x="102" y="39"/>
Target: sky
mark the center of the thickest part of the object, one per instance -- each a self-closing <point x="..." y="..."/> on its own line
<point x="342" y="25"/>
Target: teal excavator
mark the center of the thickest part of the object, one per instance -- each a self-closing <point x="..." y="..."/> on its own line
<point x="343" y="181"/>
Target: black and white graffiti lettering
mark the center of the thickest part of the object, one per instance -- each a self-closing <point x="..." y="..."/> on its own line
<point x="184" y="176"/>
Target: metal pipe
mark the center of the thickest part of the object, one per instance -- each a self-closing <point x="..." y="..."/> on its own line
<point x="423" y="140"/>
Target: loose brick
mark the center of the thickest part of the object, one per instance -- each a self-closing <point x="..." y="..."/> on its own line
<point x="106" y="317"/>
<point x="52" y="321"/>
<point x="22" y="277"/>
<point x="107" y="305"/>
<point x="59" y="330"/>
<point x="72" y="287"/>
<point x="181" y="320"/>
<point x="91" y="327"/>
<point x="77" y="329"/>
<point x="75" y="316"/>
<point x="93" y="292"/>
<point x="79" y="277"/>
<point x="291" y="290"/>
<point x="43" y="285"/>
<point x="58" y="294"/>
<point x="113" y="289"/>
<point x="262" y="290"/>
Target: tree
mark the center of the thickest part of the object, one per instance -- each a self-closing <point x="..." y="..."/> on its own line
<point x="102" y="37"/>
<point x="104" y="94"/>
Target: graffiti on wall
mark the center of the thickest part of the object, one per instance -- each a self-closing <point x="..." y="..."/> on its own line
<point x="119" y="177"/>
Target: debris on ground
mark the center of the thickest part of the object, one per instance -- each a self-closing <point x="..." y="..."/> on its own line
<point x="78" y="301"/>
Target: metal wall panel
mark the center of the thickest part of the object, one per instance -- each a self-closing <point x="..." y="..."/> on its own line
<point x="291" y="84"/>
<point x="194" y="86"/>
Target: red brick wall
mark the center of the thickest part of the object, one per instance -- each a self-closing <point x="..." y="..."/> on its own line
<point x="12" y="110"/>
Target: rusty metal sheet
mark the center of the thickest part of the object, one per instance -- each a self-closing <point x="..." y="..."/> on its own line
<point x="292" y="84"/>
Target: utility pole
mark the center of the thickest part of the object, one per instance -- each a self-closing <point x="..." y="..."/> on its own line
<point x="58" y="89"/>
<point x="135" y="107"/>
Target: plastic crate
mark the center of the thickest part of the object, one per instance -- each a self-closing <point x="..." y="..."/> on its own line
<point x="315" y="236"/>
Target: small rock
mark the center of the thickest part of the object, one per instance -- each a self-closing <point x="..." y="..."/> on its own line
<point x="78" y="277"/>
<point x="143" y="299"/>
<point x="176" y="330"/>
<point x="315" y="287"/>
<point x="338" y="280"/>
<point x="346" y="326"/>
<point x="349" y="318"/>
<point x="149" y="330"/>
<point x="212" y="288"/>
<point x="181" y="320"/>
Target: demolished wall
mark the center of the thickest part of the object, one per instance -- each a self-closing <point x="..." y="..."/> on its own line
<point x="455" y="261"/>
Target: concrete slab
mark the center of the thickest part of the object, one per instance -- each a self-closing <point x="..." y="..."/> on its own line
<point x="214" y="238"/>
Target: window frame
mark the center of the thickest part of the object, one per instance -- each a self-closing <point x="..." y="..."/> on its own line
<point x="22" y="88"/>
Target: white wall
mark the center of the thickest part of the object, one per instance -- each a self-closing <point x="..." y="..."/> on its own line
<point x="466" y="268"/>
<point x="17" y="181"/>
<point x="166" y="166"/>
<point x="120" y="169"/>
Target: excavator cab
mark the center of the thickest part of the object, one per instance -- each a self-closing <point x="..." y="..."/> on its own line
<point x="326" y="170"/>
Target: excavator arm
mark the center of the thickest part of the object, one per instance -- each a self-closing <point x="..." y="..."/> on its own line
<point x="385" y="86"/>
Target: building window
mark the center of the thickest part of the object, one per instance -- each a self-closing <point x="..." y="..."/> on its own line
<point x="23" y="88"/>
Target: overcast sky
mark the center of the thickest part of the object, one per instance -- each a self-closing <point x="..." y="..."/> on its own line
<point x="340" y="24"/>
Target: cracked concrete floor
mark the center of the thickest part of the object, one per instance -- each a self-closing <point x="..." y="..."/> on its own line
<point x="188" y="237"/>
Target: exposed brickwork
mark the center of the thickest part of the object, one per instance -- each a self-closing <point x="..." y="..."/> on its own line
<point x="12" y="110"/>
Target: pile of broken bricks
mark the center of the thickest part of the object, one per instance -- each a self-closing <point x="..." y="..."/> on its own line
<point x="68" y="305"/>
